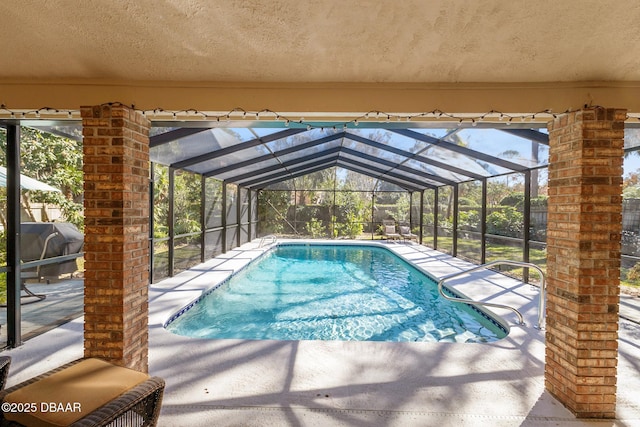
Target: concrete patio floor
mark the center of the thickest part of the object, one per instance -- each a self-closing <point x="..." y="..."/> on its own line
<point x="333" y="383"/>
<point x="64" y="301"/>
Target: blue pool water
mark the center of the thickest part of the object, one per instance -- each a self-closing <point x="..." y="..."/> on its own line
<point x="340" y="292"/>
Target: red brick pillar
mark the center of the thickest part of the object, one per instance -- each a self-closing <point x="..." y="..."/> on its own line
<point x="116" y="208"/>
<point x="583" y="259"/>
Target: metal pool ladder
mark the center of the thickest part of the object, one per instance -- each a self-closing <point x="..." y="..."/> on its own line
<point x="542" y="288"/>
<point x="270" y="237"/>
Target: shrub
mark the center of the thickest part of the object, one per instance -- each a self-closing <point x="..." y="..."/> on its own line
<point x="351" y="228"/>
<point x="539" y="201"/>
<point x="633" y="274"/>
<point x="505" y="222"/>
<point x="469" y="220"/>
<point x="315" y="228"/>
<point x="467" y="201"/>
<point x="514" y="200"/>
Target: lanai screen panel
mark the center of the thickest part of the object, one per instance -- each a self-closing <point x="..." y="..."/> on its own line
<point x="198" y="144"/>
<point x="247" y="169"/>
<point x="387" y="187"/>
<point x="322" y="180"/>
<point x="301" y="138"/>
<point x="441" y="158"/>
<point x="282" y="185"/>
<point x="504" y="145"/>
<point x="356" y="181"/>
<point x="382" y="171"/>
<point x="231" y="160"/>
<point x="325" y="181"/>
<point x="237" y="137"/>
<point x="259" y="178"/>
<point x="316" y="150"/>
<point x="390" y="139"/>
<point x="631" y="138"/>
<point x="438" y="171"/>
<point x="256" y="157"/>
<point x="160" y="130"/>
<point x="459" y="160"/>
<point x="374" y="151"/>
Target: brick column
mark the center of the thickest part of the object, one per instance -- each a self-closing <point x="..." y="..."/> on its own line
<point x="583" y="259"/>
<point x="116" y="208"/>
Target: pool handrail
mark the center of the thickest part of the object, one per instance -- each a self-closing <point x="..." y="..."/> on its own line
<point x="542" y="288"/>
<point x="274" y="239"/>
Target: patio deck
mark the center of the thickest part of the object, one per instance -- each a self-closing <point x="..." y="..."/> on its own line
<point x="64" y="302"/>
<point x="333" y="383"/>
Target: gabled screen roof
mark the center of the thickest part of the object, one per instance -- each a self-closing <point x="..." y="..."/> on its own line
<point x="411" y="158"/>
<point x="262" y="154"/>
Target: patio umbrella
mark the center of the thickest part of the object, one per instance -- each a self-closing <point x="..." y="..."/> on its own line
<point x="26" y="183"/>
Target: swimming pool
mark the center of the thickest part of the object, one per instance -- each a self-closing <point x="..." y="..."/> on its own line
<point x="332" y="292"/>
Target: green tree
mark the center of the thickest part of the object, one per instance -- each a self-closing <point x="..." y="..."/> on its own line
<point x="160" y="201"/>
<point x="186" y="202"/>
<point x="213" y="208"/>
<point x="631" y="185"/>
<point x="307" y="186"/>
<point x="505" y="222"/>
<point x="402" y="208"/>
<point x="496" y="192"/>
<point x="350" y="214"/>
<point x="315" y="228"/>
<point x="469" y="220"/>
<point x="54" y="160"/>
<point x="272" y="211"/>
<point x="514" y="199"/>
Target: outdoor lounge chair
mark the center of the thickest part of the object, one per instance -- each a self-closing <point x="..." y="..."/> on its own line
<point x="405" y="232"/>
<point x="89" y="392"/>
<point x="389" y="230"/>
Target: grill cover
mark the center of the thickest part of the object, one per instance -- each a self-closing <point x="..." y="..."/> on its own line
<point x="67" y="240"/>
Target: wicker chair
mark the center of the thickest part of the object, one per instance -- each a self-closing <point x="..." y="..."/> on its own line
<point x="5" y="362"/>
<point x="138" y="406"/>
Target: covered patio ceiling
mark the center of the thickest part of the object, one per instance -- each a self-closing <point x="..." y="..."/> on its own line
<point x="322" y="41"/>
<point x="329" y="61"/>
<point x="326" y="57"/>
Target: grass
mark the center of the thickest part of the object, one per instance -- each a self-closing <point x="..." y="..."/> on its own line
<point x="494" y="251"/>
<point x="185" y="256"/>
<point x="469" y="249"/>
<point x="631" y="284"/>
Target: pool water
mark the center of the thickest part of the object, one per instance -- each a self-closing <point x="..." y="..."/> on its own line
<point x="340" y="292"/>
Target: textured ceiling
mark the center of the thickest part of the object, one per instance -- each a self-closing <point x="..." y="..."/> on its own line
<point x="441" y="41"/>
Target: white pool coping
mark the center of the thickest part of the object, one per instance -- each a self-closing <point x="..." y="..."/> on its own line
<point x="334" y="383"/>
